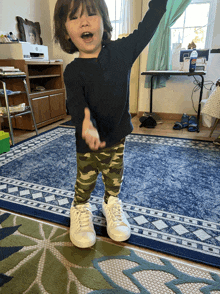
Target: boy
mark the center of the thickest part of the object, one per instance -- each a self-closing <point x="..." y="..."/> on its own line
<point x="97" y="85"/>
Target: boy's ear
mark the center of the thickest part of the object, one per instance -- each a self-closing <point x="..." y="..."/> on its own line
<point x="69" y="39"/>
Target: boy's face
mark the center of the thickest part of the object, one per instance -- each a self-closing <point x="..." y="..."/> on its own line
<point x="76" y="25"/>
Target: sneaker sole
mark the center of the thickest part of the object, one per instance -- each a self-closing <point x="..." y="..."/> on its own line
<point x="118" y="239"/>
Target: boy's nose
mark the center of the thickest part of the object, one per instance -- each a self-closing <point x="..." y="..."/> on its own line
<point x="84" y="20"/>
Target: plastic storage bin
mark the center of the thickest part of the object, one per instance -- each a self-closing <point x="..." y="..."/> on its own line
<point x="4" y="142"/>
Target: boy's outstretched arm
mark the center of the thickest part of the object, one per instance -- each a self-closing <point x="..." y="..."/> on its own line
<point x="90" y="134"/>
<point x="139" y="39"/>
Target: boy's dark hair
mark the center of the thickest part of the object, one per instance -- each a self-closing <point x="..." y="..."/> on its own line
<point x="61" y="12"/>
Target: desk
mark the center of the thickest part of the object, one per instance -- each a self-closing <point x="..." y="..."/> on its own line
<point x="3" y="79"/>
<point x="154" y="73"/>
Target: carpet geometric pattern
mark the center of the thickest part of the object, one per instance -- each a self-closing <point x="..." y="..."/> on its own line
<point x="170" y="192"/>
<point x="36" y="257"/>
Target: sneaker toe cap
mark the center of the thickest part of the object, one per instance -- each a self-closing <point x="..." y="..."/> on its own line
<point x="83" y="239"/>
<point x="120" y="233"/>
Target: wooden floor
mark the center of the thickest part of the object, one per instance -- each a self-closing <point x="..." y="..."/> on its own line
<point x="163" y="129"/>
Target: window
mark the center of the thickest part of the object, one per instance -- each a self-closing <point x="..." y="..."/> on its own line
<point x="195" y="24"/>
<point x="114" y="9"/>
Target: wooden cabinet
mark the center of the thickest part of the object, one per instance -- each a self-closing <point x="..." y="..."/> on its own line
<point x="57" y="104"/>
<point x="48" y="102"/>
<point x="41" y="106"/>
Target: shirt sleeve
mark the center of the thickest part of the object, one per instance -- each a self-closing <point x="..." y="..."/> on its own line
<point x="76" y="102"/>
<point x="139" y="39"/>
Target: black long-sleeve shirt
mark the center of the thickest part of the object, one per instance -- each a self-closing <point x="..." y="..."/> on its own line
<point x="102" y="84"/>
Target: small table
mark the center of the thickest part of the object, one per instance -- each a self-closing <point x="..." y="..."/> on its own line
<point x="154" y="73"/>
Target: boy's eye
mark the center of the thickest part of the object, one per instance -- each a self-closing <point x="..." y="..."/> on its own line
<point x="75" y="17"/>
<point x="72" y="17"/>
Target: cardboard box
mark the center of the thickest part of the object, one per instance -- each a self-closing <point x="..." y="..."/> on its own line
<point x="4" y="142"/>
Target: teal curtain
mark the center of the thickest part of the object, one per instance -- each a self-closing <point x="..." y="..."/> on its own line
<point x="160" y="45"/>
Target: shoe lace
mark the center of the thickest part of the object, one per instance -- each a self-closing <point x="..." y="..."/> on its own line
<point x="83" y="215"/>
<point x="116" y="214"/>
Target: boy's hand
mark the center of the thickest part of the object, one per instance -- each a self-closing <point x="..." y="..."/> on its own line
<point x="90" y="134"/>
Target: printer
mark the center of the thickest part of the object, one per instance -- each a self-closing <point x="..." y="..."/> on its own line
<point x="23" y="50"/>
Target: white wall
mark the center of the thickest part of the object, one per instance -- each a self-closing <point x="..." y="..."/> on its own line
<point x="176" y="96"/>
<point x="34" y="10"/>
<point x="216" y="33"/>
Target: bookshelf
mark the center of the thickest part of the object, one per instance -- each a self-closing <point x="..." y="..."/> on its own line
<point x="49" y="103"/>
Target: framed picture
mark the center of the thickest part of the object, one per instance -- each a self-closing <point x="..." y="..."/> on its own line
<point x="29" y="31"/>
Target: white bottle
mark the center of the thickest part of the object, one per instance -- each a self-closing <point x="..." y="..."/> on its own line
<point x="192" y="62"/>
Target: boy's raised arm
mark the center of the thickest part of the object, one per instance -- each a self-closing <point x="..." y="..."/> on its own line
<point x="139" y="39"/>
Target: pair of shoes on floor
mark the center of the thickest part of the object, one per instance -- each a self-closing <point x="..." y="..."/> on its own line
<point x="217" y="141"/>
<point x="187" y="121"/>
<point x="82" y="233"/>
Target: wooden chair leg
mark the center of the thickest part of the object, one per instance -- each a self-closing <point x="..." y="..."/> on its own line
<point x="213" y="128"/>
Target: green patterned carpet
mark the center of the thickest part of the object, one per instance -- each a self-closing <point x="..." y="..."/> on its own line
<point x="39" y="258"/>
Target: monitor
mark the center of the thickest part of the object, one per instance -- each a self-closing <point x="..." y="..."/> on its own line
<point x="202" y="53"/>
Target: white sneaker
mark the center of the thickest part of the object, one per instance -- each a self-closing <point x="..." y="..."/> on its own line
<point x="82" y="233"/>
<point x="118" y="228"/>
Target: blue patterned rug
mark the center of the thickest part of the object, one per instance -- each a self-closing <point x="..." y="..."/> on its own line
<point x="170" y="192"/>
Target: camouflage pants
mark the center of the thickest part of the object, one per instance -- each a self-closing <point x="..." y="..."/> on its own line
<point x="108" y="161"/>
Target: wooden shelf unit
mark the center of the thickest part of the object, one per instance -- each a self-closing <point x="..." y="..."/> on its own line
<point x="48" y="105"/>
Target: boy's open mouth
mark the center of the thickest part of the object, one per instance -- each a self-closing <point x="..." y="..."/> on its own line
<point x="87" y="36"/>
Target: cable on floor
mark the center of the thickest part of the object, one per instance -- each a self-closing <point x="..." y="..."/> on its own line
<point x="198" y="86"/>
